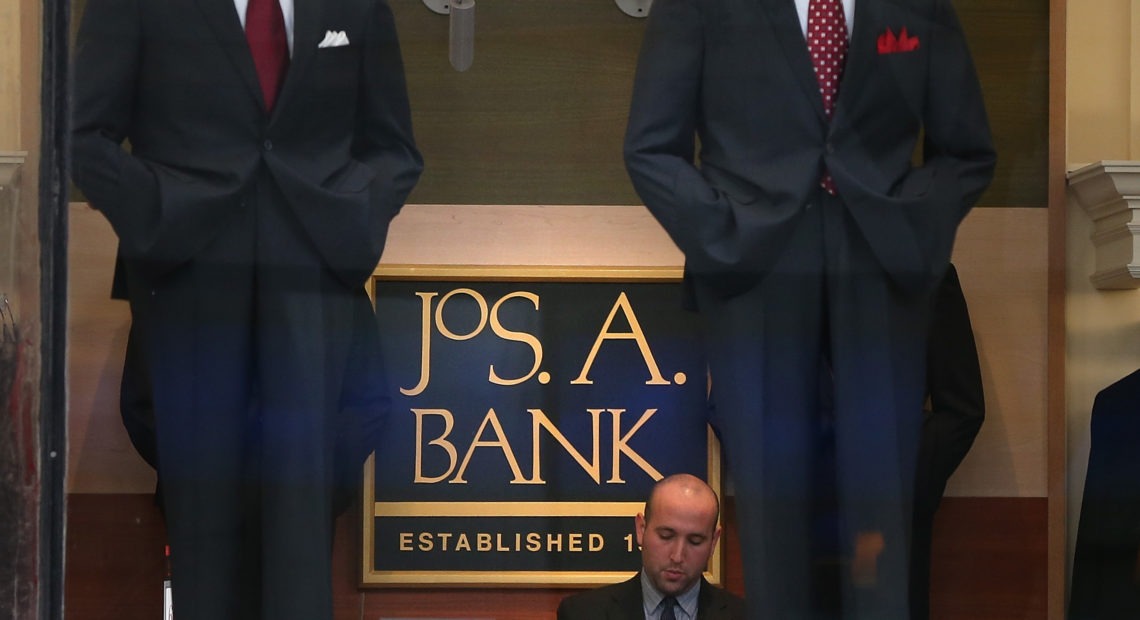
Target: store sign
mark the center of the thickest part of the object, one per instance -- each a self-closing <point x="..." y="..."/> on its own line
<point x="532" y="412"/>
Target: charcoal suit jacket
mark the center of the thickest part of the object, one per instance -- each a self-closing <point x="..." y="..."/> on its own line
<point x="622" y="601"/>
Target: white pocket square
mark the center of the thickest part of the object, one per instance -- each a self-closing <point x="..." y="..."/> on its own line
<point x="334" y="39"/>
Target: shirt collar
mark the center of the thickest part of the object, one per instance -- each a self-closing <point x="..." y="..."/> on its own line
<point x="651" y="598"/>
<point x="848" y="14"/>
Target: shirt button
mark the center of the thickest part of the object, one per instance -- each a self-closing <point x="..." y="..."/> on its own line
<point x="268" y="144"/>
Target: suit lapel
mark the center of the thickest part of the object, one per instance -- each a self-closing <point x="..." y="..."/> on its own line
<point x="306" y="36"/>
<point x="861" y="52"/>
<point x="223" y="19"/>
<point x="627" y="600"/>
<point x="708" y="608"/>
<point x="786" y="27"/>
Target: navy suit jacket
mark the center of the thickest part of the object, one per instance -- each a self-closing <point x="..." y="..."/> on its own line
<point x="735" y="77"/>
<point x="1107" y="553"/>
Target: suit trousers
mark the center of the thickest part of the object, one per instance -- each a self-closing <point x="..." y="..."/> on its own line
<point x="825" y="307"/>
<point x="246" y="347"/>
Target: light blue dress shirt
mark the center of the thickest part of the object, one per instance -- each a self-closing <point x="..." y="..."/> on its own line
<point x="686" y="601"/>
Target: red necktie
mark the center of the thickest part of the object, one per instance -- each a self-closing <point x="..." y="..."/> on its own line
<point x="827" y="43"/>
<point x="265" y="31"/>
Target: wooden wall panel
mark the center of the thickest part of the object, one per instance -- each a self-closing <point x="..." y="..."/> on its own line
<point x="538" y="118"/>
<point x="1010" y="44"/>
<point x="1001" y="255"/>
<point x="100" y="457"/>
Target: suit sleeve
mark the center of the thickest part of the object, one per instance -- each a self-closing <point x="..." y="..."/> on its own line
<point x="563" y="611"/>
<point x="577" y="607"/>
<point x="107" y="57"/>
<point x="957" y="132"/>
<point x="384" y="139"/>
<point x="703" y="221"/>
<point x="954" y="383"/>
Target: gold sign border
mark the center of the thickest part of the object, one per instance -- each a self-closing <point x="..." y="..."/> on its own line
<point x="527" y="579"/>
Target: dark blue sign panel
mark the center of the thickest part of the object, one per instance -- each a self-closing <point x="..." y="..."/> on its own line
<point x="531" y="416"/>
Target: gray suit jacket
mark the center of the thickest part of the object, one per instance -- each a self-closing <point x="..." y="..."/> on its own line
<point x="622" y="601"/>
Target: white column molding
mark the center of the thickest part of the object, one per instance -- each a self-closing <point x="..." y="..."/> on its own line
<point x="1109" y="192"/>
<point x="10" y="163"/>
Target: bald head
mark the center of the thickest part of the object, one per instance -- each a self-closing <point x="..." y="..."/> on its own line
<point x="687" y="489"/>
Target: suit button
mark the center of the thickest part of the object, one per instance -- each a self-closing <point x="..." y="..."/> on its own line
<point x="830" y="148"/>
<point x="268" y="145"/>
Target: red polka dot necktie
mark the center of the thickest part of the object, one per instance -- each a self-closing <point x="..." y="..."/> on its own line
<point x="827" y="44"/>
<point x="265" y="31"/>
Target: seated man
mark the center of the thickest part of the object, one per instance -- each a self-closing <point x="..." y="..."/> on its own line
<point x="677" y="534"/>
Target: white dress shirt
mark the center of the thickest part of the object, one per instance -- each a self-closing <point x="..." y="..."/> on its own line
<point x="286" y="9"/>
<point x="802" y="9"/>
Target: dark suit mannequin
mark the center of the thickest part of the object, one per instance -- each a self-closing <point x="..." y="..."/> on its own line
<point x="361" y="416"/>
<point x="789" y="279"/>
<point x="622" y="601"/>
<point x="1106" y="564"/>
<point x="949" y="425"/>
<point x="245" y="236"/>
<point x="957" y="410"/>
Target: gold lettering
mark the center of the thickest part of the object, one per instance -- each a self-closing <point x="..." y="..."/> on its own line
<point x="486" y="542"/>
<point x="635" y="334"/>
<point x="501" y="443"/>
<point x="541" y="421"/>
<point x="447" y="333"/>
<point x="425" y="346"/>
<point x="514" y="336"/>
<point x="621" y="446"/>
<point x="441" y="441"/>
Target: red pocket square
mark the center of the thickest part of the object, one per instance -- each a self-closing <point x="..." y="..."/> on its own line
<point x="890" y="44"/>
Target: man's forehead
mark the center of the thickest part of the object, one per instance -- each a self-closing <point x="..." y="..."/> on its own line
<point x="685" y="519"/>
<point x="680" y="499"/>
